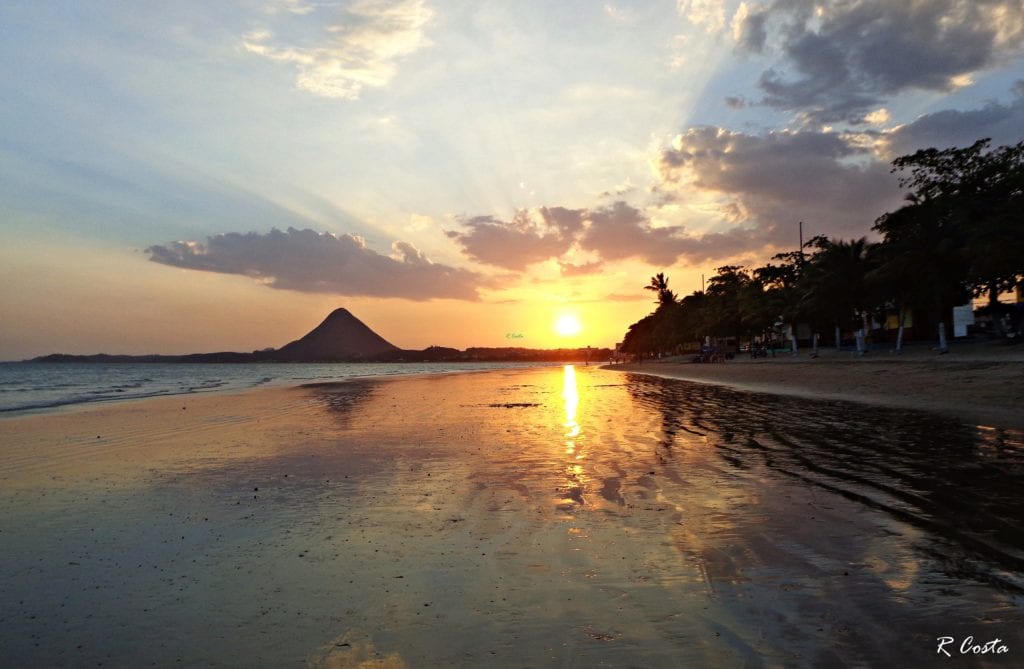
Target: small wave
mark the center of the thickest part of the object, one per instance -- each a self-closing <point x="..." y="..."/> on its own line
<point x="208" y="385"/>
<point x="129" y="385"/>
<point x="57" y="403"/>
<point x="37" y="406"/>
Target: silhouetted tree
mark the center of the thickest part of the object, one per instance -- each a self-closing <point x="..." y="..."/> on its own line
<point x="962" y="230"/>
<point x="835" y="284"/>
<point x="895" y="284"/>
<point x="659" y="284"/>
<point x="723" y="315"/>
<point x="775" y="292"/>
<point x="978" y="195"/>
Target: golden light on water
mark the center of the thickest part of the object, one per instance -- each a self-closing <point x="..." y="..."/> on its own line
<point x="571" y="395"/>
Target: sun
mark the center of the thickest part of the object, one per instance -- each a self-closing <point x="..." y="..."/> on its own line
<point x="568" y="325"/>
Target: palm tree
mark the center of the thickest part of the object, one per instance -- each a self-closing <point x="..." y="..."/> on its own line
<point x="659" y="284"/>
<point x="835" y="281"/>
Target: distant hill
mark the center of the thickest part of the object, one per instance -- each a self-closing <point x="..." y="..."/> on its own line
<point x="344" y="338"/>
<point x="341" y="336"/>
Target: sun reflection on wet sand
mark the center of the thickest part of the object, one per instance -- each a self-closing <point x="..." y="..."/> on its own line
<point x="575" y="483"/>
<point x="571" y="397"/>
<point x="563" y="516"/>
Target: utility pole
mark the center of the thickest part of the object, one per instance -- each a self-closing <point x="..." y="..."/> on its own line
<point x="801" y="244"/>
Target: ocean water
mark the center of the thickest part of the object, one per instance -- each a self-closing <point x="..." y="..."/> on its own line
<point x="32" y="387"/>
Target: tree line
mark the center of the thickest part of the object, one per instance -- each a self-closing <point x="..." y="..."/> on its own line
<point x="960" y="234"/>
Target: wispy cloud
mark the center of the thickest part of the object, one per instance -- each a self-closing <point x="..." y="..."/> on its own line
<point x="289" y="6"/>
<point x="624" y="297"/>
<point x="360" y="48"/>
<point x="708" y="14"/>
<point x="313" y="262"/>
<point x="581" y="269"/>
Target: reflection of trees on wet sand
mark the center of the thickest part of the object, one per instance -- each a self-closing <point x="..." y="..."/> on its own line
<point x="957" y="485"/>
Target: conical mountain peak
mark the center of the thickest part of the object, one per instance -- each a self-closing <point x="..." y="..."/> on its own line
<point x="340" y="312"/>
<point x="341" y="336"/>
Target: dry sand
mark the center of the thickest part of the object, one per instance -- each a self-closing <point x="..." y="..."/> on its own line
<point x="527" y="518"/>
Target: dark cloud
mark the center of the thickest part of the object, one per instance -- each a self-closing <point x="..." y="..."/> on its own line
<point x="765" y="184"/>
<point x="751" y="31"/>
<point x="621" y="231"/>
<point x="519" y="242"/>
<point x="842" y="57"/>
<point x="776" y="180"/>
<point x="567" y="221"/>
<point x="1004" y="124"/>
<point x="615" y="232"/>
<point x="715" y="246"/>
<point x="312" y="262"/>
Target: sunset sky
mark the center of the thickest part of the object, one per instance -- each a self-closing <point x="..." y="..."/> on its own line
<point x="202" y="176"/>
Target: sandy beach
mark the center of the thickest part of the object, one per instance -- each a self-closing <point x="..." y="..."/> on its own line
<point x="552" y="517"/>
<point x="981" y="383"/>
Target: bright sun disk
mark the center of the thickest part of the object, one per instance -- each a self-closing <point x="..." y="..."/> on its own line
<point x="568" y="325"/>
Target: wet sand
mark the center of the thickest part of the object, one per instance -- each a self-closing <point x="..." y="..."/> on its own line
<point x="551" y="517"/>
<point x="984" y="384"/>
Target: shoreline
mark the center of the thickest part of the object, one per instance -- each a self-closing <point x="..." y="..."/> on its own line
<point x="232" y="386"/>
<point x="980" y="385"/>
